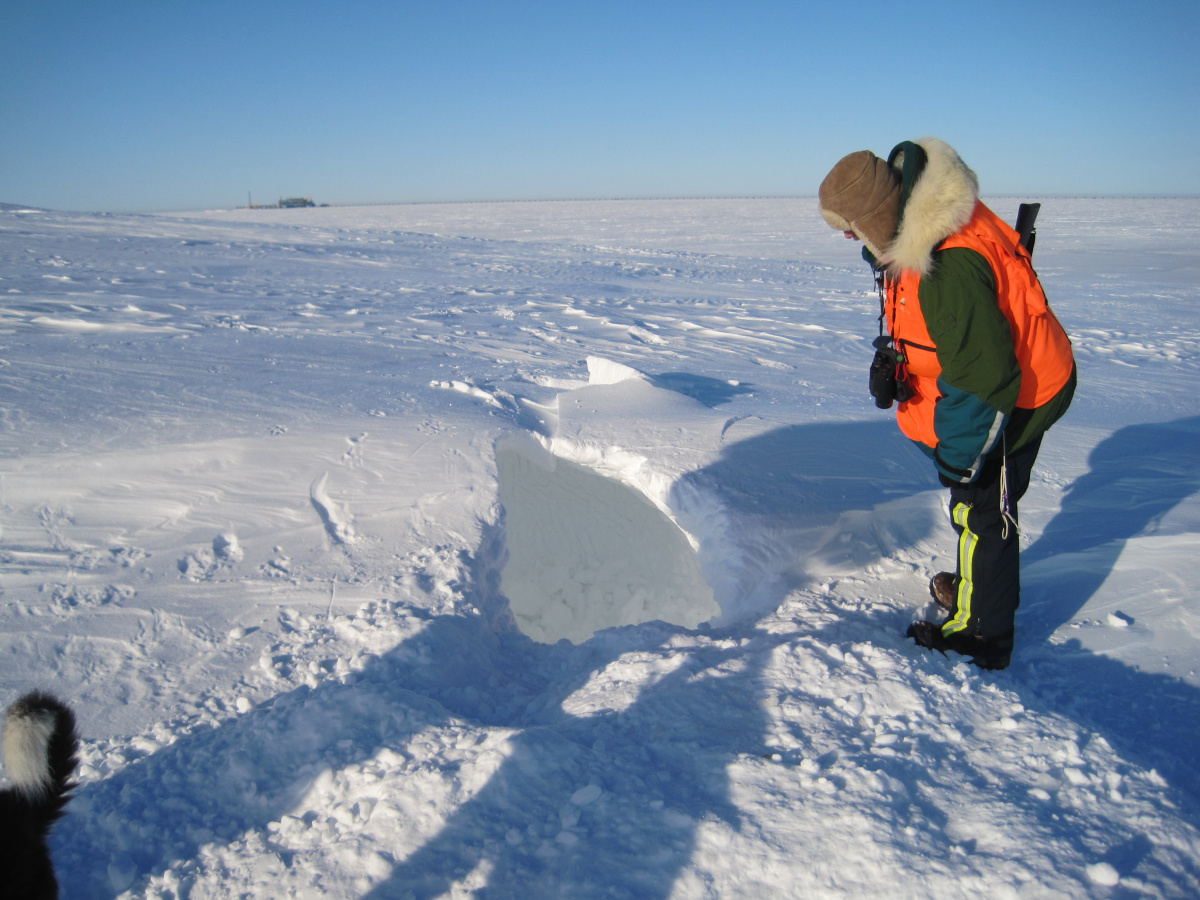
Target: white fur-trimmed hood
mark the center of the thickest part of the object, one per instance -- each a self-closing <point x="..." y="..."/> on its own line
<point x="942" y="201"/>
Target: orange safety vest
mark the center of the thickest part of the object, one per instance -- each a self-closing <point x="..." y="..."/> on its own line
<point x="1042" y="347"/>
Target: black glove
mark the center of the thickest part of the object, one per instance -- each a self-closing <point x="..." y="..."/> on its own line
<point x="927" y="634"/>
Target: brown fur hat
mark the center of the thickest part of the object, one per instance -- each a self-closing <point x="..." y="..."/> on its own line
<point x="862" y="194"/>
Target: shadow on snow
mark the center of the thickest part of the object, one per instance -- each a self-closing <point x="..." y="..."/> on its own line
<point x="218" y="784"/>
<point x="1136" y="476"/>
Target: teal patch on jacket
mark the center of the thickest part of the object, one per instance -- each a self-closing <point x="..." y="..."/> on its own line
<point x="967" y="430"/>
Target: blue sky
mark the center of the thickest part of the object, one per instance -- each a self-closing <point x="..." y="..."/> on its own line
<point x="111" y="105"/>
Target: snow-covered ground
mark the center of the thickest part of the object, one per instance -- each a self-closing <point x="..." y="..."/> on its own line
<point x="557" y="550"/>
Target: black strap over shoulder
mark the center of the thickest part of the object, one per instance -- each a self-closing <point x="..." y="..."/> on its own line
<point x="910" y="158"/>
<point x="1026" y="216"/>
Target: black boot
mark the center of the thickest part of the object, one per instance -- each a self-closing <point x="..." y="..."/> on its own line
<point x="995" y="653"/>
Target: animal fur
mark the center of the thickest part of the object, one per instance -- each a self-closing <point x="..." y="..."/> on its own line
<point x="41" y="750"/>
<point x="942" y="201"/>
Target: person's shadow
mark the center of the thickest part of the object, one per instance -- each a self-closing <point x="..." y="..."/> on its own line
<point x="593" y="802"/>
<point x="1136" y="476"/>
<point x="605" y="804"/>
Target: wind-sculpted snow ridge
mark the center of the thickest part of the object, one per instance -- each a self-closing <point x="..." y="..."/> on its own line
<point x="339" y="529"/>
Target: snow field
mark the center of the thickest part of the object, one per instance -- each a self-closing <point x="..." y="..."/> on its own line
<point x="301" y="547"/>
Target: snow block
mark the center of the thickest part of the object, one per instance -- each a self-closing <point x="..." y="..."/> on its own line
<point x="586" y="552"/>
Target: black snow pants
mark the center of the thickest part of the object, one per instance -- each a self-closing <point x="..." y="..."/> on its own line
<point x="989" y="570"/>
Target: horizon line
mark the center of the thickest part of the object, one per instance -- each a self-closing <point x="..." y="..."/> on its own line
<point x="17" y="207"/>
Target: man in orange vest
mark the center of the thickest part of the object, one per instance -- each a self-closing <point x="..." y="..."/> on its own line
<point x="979" y="363"/>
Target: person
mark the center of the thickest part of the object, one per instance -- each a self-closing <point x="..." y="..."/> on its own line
<point x="979" y="362"/>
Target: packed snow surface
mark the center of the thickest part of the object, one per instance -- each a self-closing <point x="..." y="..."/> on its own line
<point x="557" y="550"/>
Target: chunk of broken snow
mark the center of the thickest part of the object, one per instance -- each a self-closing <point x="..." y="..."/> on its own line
<point x="605" y="371"/>
<point x="584" y="796"/>
<point x="227" y="547"/>
<point x="1103" y="873"/>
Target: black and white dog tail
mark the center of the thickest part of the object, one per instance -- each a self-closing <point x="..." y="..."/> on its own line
<point x="41" y="748"/>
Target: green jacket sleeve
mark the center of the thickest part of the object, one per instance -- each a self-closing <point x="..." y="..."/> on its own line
<point x="980" y="377"/>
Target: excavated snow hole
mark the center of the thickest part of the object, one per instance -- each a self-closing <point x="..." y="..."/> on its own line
<point x="586" y="552"/>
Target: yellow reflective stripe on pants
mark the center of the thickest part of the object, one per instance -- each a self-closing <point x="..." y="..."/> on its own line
<point x="967" y="542"/>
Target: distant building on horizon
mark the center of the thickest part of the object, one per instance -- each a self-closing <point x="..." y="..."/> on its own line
<point x="288" y="203"/>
